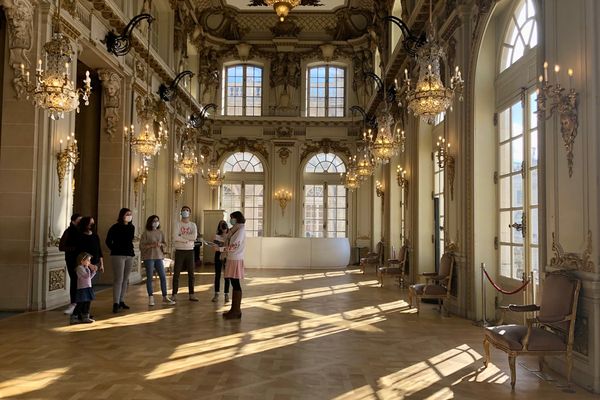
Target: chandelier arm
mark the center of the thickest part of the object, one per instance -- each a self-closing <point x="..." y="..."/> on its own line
<point x="411" y="42"/>
<point x="120" y="45"/>
<point x="376" y="78"/>
<point x="168" y="93"/>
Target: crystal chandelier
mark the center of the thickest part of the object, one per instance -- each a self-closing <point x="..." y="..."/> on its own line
<point x="53" y="90"/>
<point x="365" y="163"/>
<point x="429" y="96"/>
<point x="148" y="142"/>
<point x="187" y="162"/>
<point x="387" y="143"/>
<point x="213" y="176"/>
<point x="350" y="179"/>
<point x="283" y="8"/>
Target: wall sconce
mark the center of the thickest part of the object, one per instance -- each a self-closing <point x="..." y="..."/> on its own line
<point x="283" y="196"/>
<point x="66" y="158"/>
<point x="379" y="189"/>
<point x="566" y="103"/>
<point x="179" y="188"/>
<point x="446" y="162"/>
<point x="401" y="177"/>
<point x="140" y="180"/>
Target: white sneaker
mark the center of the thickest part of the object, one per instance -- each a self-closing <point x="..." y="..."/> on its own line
<point x="226" y="297"/>
<point x="70" y="309"/>
<point x="215" y="298"/>
<point x="193" y="298"/>
<point x="150" y="300"/>
<point x="167" y="300"/>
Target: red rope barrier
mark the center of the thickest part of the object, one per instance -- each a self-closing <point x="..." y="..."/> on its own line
<point x="498" y="288"/>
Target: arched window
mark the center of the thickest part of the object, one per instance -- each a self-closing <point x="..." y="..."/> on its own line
<point x="243" y="190"/>
<point x="325" y="162"/>
<point x="326" y="95"/>
<point x="242" y="162"/>
<point x="521" y="34"/>
<point x="517" y="152"/>
<point x="325" y="204"/>
<point x="243" y="90"/>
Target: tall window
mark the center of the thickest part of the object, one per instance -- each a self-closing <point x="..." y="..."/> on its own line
<point x="438" y="198"/>
<point x="521" y="35"/>
<point x="325" y="91"/>
<point x="243" y="90"/>
<point x="243" y="190"/>
<point x="517" y="133"/>
<point x="325" y="204"/>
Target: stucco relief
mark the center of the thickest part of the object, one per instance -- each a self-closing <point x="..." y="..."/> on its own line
<point x="111" y="83"/>
<point x="573" y="261"/>
<point x="285" y="81"/>
<point x="56" y="279"/>
<point x="19" y="15"/>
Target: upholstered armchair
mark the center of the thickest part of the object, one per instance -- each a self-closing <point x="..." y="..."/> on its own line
<point x="373" y="258"/>
<point x="551" y="332"/>
<point x="395" y="267"/>
<point x="437" y="286"/>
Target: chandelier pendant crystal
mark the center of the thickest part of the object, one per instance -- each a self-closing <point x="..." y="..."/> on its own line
<point x="283" y="8"/>
<point x="53" y="90"/>
<point x="187" y="162"/>
<point x="387" y="142"/>
<point x="147" y="143"/>
<point x="429" y="97"/>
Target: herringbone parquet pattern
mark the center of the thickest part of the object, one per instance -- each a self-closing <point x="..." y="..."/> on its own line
<point x="304" y="335"/>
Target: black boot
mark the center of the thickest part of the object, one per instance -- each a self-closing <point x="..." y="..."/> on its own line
<point x="236" y="301"/>
<point x="123" y="306"/>
<point x="115" y="308"/>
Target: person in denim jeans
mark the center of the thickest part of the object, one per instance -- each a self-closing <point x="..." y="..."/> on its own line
<point x="152" y="244"/>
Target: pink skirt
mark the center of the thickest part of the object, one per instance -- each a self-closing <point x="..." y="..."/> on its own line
<point x="234" y="269"/>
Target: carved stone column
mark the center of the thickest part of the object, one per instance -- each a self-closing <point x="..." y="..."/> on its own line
<point x="111" y="101"/>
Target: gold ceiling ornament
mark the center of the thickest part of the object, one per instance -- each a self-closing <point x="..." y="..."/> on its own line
<point x="187" y="161"/>
<point x="282" y="8"/>
<point x="66" y="158"/>
<point x="53" y="90"/>
<point x="429" y="97"/>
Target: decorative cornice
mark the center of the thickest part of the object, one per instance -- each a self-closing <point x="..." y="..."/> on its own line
<point x="286" y="122"/>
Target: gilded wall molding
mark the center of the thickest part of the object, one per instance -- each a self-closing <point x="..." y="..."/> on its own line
<point x="56" y="279"/>
<point x="111" y="102"/>
<point x="325" y="146"/>
<point x="572" y="261"/>
<point x="284" y="154"/>
<point x="242" y="144"/>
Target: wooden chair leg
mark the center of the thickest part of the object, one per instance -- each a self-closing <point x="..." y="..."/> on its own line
<point x="486" y="349"/>
<point x="569" y="357"/>
<point x="418" y="300"/>
<point x="541" y="363"/>
<point x="513" y="372"/>
<point x="410" y="297"/>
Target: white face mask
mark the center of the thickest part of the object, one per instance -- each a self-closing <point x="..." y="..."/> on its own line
<point x="128" y="218"/>
<point x="155" y="224"/>
<point x="185" y="214"/>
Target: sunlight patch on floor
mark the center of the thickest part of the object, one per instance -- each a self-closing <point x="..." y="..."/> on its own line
<point x="30" y="383"/>
<point x="139" y="318"/>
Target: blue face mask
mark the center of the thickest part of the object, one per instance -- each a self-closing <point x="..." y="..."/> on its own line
<point x="185" y="214"/>
<point x="232" y="221"/>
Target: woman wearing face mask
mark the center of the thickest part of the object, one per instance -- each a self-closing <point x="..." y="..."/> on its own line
<point x="152" y="244"/>
<point x="234" y="247"/>
<point x="88" y="241"/>
<point x="119" y="240"/>
<point x="219" y="241"/>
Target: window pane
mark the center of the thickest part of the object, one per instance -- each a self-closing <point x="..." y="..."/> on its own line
<point x="534" y="226"/>
<point x="504" y="155"/>
<point x="505" y="260"/>
<point x="517" y="154"/>
<point x="533" y="153"/>
<point x="518" y="262"/>
<point x="517" y="191"/>
<point x="516" y="119"/>
<point x="517" y="235"/>
<point x="504" y="125"/>
<point x="533" y="187"/>
<point x="505" y="230"/>
<point x="505" y="192"/>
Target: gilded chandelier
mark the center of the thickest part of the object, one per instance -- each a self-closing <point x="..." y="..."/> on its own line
<point x="387" y="143"/>
<point x="282" y="8"/>
<point x="53" y="89"/>
<point x="429" y="97"/>
<point x="365" y="163"/>
<point x="187" y="162"/>
<point x="350" y="179"/>
<point x="147" y="143"/>
<point x="213" y="176"/>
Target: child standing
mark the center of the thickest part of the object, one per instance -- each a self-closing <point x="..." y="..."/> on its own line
<point x="85" y="294"/>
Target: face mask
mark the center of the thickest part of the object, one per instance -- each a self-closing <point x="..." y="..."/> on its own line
<point x="128" y="218"/>
<point x="155" y="224"/>
<point x="232" y="221"/>
<point x="185" y="214"/>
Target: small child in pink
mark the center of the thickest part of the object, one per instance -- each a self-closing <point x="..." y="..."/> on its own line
<point x="85" y="294"/>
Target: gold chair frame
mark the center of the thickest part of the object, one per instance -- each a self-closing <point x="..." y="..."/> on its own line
<point x="395" y="267"/>
<point x="434" y="279"/>
<point x="537" y="323"/>
<point x="373" y="258"/>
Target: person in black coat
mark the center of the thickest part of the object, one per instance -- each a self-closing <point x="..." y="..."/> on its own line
<point x="68" y="244"/>
<point x="119" y="240"/>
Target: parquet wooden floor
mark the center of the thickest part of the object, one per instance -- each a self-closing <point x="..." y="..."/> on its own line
<point x="304" y="335"/>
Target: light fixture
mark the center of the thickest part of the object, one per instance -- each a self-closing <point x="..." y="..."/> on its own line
<point x="179" y="187"/>
<point x="350" y="178"/>
<point x="283" y="196"/>
<point x="282" y="8"/>
<point x="148" y="142"/>
<point x="379" y="189"/>
<point x="120" y="45"/>
<point x="213" y="176"/>
<point x="365" y="163"/>
<point x="387" y="143"/>
<point x="140" y="179"/>
<point x="66" y="158"/>
<point x="565" y="103"/>
<point x="429" y="97"/>
<point x="442" y="149"/>
<point x="187" y="162"/>
<point x="53" y="90"/>
<point x="401" y="177"/>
